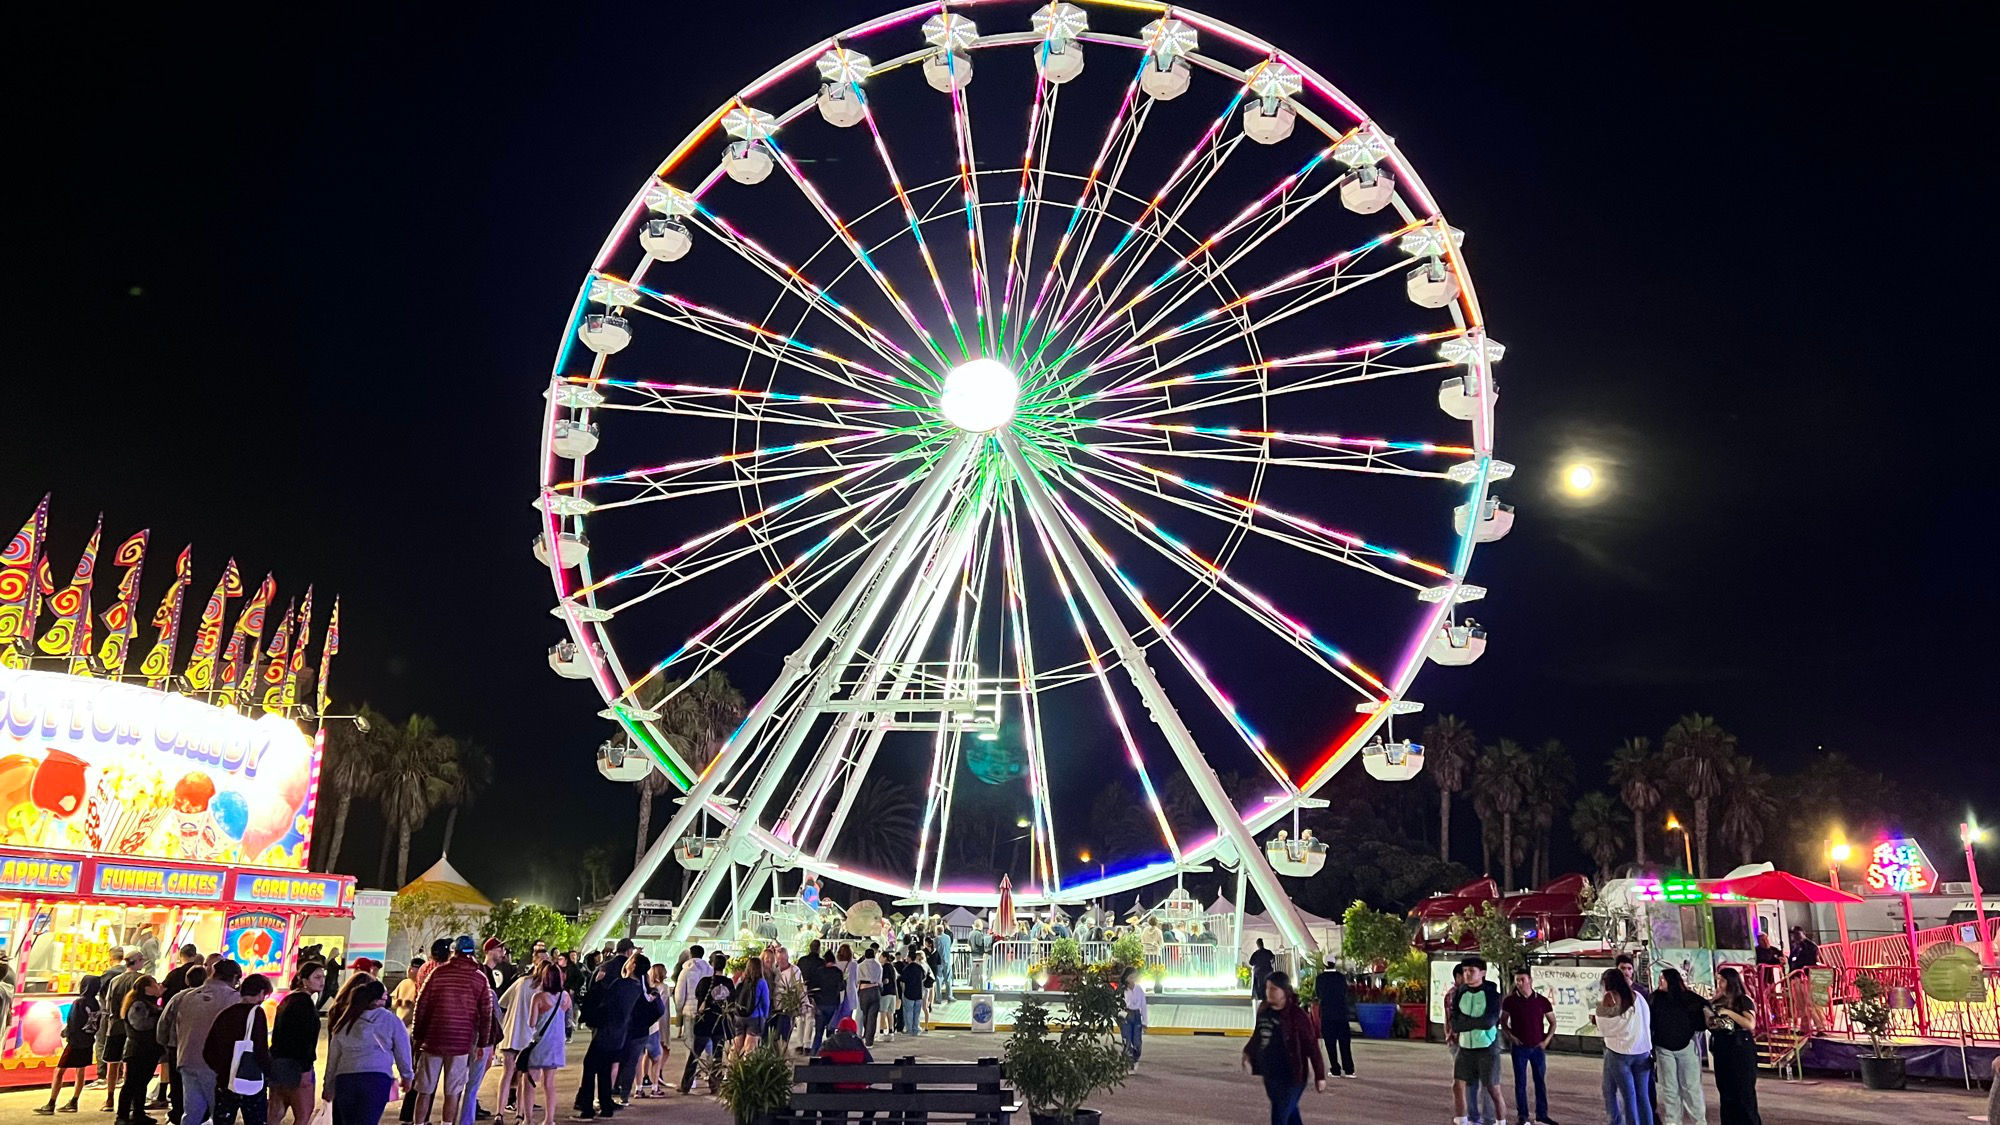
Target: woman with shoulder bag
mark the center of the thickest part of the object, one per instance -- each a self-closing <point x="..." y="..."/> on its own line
<point x="1732" y="1043"/>
<point x="238" y="1050"/>
<point x="542" y="1053"/>
<point x="367" y="1048"/>
<point x="142" y="1049"/>
<point x="79" y="1041"/>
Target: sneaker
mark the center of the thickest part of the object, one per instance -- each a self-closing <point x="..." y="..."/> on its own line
<point x="94" y="1084"/>
<point x="1349" y="1074"/>
<point x="581" y="1117"/>
<point x="46" y="1110"/>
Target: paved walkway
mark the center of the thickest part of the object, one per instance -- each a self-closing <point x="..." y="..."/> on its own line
<point x="1192" y="1080"/>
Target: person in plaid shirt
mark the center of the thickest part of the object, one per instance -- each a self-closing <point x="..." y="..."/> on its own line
<point x="455" y="1018"/>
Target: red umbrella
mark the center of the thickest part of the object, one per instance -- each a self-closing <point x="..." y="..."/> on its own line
<point x="1003" y="918"/>
<point x="1783" y="886"/>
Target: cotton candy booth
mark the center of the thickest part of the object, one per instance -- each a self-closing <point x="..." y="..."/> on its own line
<point x="136" y="818"/>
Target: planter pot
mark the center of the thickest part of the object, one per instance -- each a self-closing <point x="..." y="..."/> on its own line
<point x="1420" y="1015"/>
<point x="1376" y="1019"/>
<point x="1882" y="1073"/>
<point x="1083" y="1117"/>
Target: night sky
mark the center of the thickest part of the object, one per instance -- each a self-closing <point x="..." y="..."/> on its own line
<point x="288" y="290"/>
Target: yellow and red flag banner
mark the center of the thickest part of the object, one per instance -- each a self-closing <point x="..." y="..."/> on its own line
<point x="326" y="650"/>
<point x="289" y="698"/>
<point x="122" y="619"/>
<point x="208" y="635"/>
<point x="270" y="688"/>
<point x="158" y="667"/>
<point x="69" y="634"/>
<point x="246" y="638"/>
<point x="19" y="561"/>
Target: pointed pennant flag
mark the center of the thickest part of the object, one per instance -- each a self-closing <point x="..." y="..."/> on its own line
<point x="290" y="697"/>
<point x="69" y="634"/>
<point x="18" y="563"/>
<point x="250" y="629"/>
<point x="326" y="650"/>
<point x="158" y="667"/>
<point x="208" y="635"/>
<point x="122" y="619"/>
<point x="270" y="689"/>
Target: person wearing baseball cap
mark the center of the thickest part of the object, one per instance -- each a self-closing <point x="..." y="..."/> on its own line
<point x="454" y="1024"/>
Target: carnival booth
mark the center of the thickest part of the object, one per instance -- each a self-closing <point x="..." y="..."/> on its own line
<point x="136" y="818"/>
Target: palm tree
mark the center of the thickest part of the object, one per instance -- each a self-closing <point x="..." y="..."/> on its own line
<point x="1698" y="753"/>
<point x="416" y="779"/>
<point x="596" y="869"/>
<point x="1635" y="773"/>
<point x="1595" y="822"/>
<point x="695" y="717"/>
<point x="1503" y="777"/>
<point x="1449" y="747"/>
<point x="1552" y="775"/>
<point x="1748" y="806"/>
<point x="353" y="760"/>
<point x="881" y="830"/>
<point x="471" y="773"/>
<point x="1482" y="807"/>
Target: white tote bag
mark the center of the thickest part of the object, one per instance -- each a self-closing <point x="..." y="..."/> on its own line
<point x="246" y="1075"/>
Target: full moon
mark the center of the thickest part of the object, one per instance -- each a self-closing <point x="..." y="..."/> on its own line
<point x="1580" y="480"/>
<point x="979" y="395"/>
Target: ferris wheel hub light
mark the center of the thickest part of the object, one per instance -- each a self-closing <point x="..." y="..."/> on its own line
<point x="979" y="395"/>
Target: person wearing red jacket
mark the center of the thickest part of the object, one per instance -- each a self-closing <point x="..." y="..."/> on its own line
<point x="454" y="1019"/>
<point x="1284" y="1050"/>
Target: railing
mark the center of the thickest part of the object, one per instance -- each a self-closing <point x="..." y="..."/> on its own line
<point x="1816" y="1002"/>
<point x="1203" y="966"/>
<point x="1894" y="949"/>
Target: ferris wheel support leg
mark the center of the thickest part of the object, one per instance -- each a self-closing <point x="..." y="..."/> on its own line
<point x="891" y="548"/>
<point x="1227" y="819"/>
<point x="855" y="610"/>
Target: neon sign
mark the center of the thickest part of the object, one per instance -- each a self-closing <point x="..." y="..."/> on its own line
<point x="1897" y="865"/>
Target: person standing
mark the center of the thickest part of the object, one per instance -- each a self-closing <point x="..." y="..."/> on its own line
<point x="754" y="1001"/>
<point x="1527" y="1023"/>
<point x="240" y="1022"/>
<point x="980" y="942"/>
<point x="113" y="1023"/>
<point x="1283" y="1050"/>
<point x="1133" y="1026"/>
<point x="1732" y="1042"/>
<point x="646" y="1011"/>
<point x="454" y="1016"/>
<point x="825" y="987"/>
<point x="608" y="1010"/>
<point x="709" y="1027"/>
<point x="190" y="1018"/>
<point x="1678" y="1016"/>
<point x="1330" y="1006"/>
<point x="367" y="1048"/>
<point x="1260" y="959"/>
<point x="892" y="988"/>
<point x="79" y="1040"/>
<point x="911" y="978"/>
<point x="687" y="990"/>
<point x="142" y="1049"/>
<point x="868" y="988"/>
<point x="295" y="1046"/>
<point x="516" y="1026"/>
<point x="403" y="1004"/>
<point x="944" y="978"/>
<point x="1472" y="1019"/>
<point x="1625" y="1022"/>
<point x="543" y="1051"/>
<point x="194" y="978"/>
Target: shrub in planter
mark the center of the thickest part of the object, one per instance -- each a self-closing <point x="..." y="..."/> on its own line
<point x="1881" y="1067"/>
<point x="1055" y="1072"/>
<point x="1128" y="952"/>
<point x="757" y="1085"/>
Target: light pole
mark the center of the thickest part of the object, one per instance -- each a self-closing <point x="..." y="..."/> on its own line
<point x="1837" y="853"/>
<point x="1687" y="848"/>
<point x="1969" y="833"/>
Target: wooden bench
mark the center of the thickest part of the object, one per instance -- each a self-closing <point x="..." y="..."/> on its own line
<point x="904" y="1092"/>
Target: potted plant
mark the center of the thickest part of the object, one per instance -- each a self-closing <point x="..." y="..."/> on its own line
<point x="1055" y="1071"/>
<point x="1370" y="941"/>
<point x="1064" y="963"/>
<point x="1128" y="952"/>
<point x="757" y="1085"/>
<point x="1881" y="1067"/>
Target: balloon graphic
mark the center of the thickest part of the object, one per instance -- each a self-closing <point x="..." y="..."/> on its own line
<point x="269" y="822"/>
<point x="17" y="773"/>
<point x="42" y="1028"/>
<point x="58" y="786"/>
<point x="232" y="814"/>
<point x="286" y="768"/>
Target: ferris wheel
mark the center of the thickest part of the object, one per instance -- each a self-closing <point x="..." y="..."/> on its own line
<point x="1061" y="419"/>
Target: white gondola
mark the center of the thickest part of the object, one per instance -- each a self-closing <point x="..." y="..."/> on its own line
<point x="571" y="548"/>
<point x="840" y="103"/>
<point x="696" y="852"/>
<point x="1165" y="81"/>
<point x="1368" y="190"/>
<point x="948" y="71"/>
<point x="619" y="761"/>
<point x="1458" y="396"/>
<point x="1455" y="646"/>
<point x="573" y="438"/>
<point x="605" y="333"/>
<point x="1059" y="60"/>
<point x="666" y="239"/>
<point x="1392" y="761"/>
<point x="1268" y="122"/>
<point x="570" y="661"/>
<point x="1495" y="520"/>
<point x="1432" y="284"/>
<point x="1301" y="857"/>
<point x="747" y="162"/>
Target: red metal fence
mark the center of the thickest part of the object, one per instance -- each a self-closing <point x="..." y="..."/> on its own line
<point x="1816" y="1002"/>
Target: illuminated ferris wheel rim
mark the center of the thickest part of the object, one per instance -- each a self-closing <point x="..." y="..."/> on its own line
<point x="584" y="623"/>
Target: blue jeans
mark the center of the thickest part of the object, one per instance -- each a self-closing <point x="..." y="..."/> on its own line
<point x="1625" y="1080"/>
<point x="913" y="1015"/>
<point x="822" y="1021"/>
<point x="1524" y="1058"/>
<point x="1284" y="1099"/>
<point x="1134" y="1030"/>
<point x="358" y="1098"/>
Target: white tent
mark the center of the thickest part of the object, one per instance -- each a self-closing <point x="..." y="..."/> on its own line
<point x="1325" y="931"/>
<point x="960" y="920"/>
<point x="444" y="883"/>
<point x="1221" y="905"/>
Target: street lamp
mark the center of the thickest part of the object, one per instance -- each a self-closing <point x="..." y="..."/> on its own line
<point x="1969" y="833"/>
<point x="1687" y="848"/>
<point x="1837" y="853"/>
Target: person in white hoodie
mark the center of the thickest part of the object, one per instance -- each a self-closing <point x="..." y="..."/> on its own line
<point x="1133" y="1026"/>
<point x="1625" y="1021"/>
<point x="367" y="1049"/>
<point x="687" y="996"/>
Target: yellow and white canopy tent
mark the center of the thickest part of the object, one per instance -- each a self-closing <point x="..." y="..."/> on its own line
<point x="452" y="907"/>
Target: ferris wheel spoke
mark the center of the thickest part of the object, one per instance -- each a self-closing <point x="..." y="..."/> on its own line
<point x="1232" y="443"/>
<point x="1020" y="255"/>
<point x="975" y="230"/>
<point x="1335" y="366"/>
<point x="793" y="280"/>
<point x="1044" y="841"/>
<point x="758" y="460"/>
<point x="915" y="225"/>
<point x="680" y="407"/>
